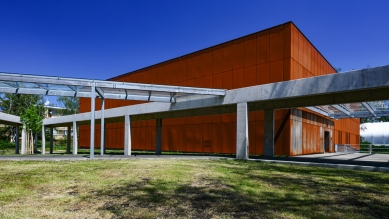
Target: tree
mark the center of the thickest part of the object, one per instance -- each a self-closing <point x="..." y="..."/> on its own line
<point x="71" y="105"/>
<point x="16" y="104"/>
<point x="32" y="122"/>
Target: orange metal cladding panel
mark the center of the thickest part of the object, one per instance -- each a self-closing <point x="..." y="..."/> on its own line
<point x="175" y="71"/>
<point x="86" y="135"/>
<point x="190" y="69"/>
<point x="227" y="80"/>
<point x="287" y="44"/>
<point x="263" y="73"/>
<point x="174" y="121"/>
<point x="207" y="81"/>
<point x="165" y="137"/>
<point x="304" y="138"/>
<point x="198" y="138"/>
<point x="305" y="53"/>
<point x="189" y="136"/>
<point x="199" y="82"/>
<point x="227" y="56"/>
<point x="207" y="138"/>
<point x="207" y="62"/>
<point x="251" y="116"/>
<point x="301" y="48"/>
<point x="276" y="71"/>
<point x="190" y="83"/>
<point x="276" y="43"/>
<point x="182" y="141"/>
<point x="310" y="48"/>
<point x="147" y="141"/>
<point x="173" y="138"/>
<point x="216" y="118"/>
<point x="216" y="137"/>
<point x="217" y="80"/>
<point x="259" y="115"/>
<point x="167" y="74"/>
<point x="152" y="134"/>
<point x="182" y="69"/>
<point x="250" y="50"/>
<point x="313" y="61"/>
<point x="151" y="75"/>
<point x="250" y="76"/>
<point x="259" y="137"/>
<point x="287" y="69"/>
<point x="295" y="43"/>
<point x="217" y="59"/>
<point x="238" y="54"/>
<point x="207" y="119"/>
<point x="252" y="137"/>
<point x="228" y="133"/>
<point x="263" y="47"/>
<point x="166" y="121"/>
<point x="237" y="78"/>
<point x="141" y="138"/>
<point x="135" y="138"/>
<point x="199" y="64"/>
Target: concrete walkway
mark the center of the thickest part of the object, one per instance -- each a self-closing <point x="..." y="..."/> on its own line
<point x="370" y="162"/>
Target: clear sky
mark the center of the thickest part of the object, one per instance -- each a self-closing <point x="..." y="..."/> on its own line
<point x="102" y="39"/>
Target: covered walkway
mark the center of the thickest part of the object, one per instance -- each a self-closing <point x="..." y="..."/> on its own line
<point x="334" y="90"/>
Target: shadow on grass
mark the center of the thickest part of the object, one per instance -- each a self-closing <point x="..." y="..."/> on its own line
<point x="299" y="195"/>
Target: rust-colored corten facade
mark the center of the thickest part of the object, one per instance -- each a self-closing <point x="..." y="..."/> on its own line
<point x="277" y="54"/>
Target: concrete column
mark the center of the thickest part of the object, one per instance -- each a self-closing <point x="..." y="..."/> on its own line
<point x="51" y="139"/>
<point x="17" y="140"/>
<point x="68" y="138"/>
<point x="158" y="137"/>
<point x="102" y="133"/>
<point x="269" y="133"/>
<point x="75" y="140"/>
<point x="105" y="138"/>
<point x="242" y="131"/>
<point x="43" y="149"/>
<point x="92" y="122"/>
<point x="24" y="140"/>
<point x="296" y="131"/>
<point x="127" y="135"/>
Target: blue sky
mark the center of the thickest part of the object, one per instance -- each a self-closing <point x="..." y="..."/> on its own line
<point x="102" y="39"/>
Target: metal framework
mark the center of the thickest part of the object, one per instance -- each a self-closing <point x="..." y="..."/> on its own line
<point x="75" y="87"/>
<point x="353" y="110"/>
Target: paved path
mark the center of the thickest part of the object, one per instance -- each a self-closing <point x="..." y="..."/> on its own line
<point x="371" y="162"/>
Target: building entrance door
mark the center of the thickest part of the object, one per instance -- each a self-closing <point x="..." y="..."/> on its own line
<point x="326" y="141"/>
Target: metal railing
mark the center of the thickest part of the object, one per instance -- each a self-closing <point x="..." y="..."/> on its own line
<point x="362" y="148"/>
<point x="346" y="148"/>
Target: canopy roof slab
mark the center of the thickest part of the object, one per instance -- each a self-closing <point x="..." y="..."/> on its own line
<point x="75" y="87"/>
<point x="8" y="119"/>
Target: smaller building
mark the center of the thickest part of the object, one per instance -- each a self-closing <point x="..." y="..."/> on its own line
<point x="375" y="133"/>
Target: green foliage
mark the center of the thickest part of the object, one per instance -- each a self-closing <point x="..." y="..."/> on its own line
<point x="70" y="103"/>
<point x="6" y="145"/>
<point x="17" y="104"/>
<point x="31" y="119"/>
<point x="374" y="119"/>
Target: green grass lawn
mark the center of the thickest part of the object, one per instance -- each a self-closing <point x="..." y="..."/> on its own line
<point x="171" y="188"/>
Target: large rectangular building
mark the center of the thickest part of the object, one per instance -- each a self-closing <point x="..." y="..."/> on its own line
<point x="280" y="53"/>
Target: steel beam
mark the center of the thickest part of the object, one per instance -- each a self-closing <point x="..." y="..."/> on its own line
<point x="369" y="108"/>
<point x="343" y="109"/>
